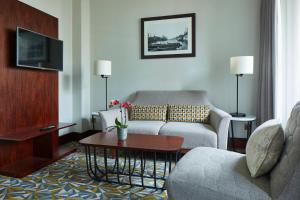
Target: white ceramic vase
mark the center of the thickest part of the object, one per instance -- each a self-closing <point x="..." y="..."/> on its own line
<point x="122" y="133"/>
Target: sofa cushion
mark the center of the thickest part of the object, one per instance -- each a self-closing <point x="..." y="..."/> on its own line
<point x="194" y="134"/>
<point x="148" y="112"/>
<point x="188" y="113"/>
<point x="145" y="127"/>
<point x="209" y="173"/>
<point x="264" y="147"/>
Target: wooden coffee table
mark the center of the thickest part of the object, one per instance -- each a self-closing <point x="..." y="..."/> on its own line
<point x="135" y="147"/>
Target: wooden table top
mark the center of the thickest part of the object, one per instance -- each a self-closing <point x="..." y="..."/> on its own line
<point x="156" y="143"/>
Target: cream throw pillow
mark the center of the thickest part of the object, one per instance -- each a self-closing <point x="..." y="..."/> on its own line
<point x="264" y="148"/>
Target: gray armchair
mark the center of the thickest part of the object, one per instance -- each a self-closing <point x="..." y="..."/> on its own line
<point x="209" y="174"/>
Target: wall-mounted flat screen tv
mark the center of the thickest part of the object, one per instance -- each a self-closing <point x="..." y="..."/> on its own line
<point x="38" y="51"/>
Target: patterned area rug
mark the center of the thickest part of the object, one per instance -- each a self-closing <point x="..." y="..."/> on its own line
<point x="68" y="179"/>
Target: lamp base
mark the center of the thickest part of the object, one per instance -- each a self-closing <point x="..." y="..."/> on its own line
<point x="238" y="114"/>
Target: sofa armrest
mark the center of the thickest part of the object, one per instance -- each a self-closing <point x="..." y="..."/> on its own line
<point x="220" y="121"/>
<point x="108" y="118"/>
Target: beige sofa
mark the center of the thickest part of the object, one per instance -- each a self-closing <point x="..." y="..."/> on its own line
<point x="214" y="134"/>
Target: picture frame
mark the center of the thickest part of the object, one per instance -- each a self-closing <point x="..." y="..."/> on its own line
<point x="171" y="36"/>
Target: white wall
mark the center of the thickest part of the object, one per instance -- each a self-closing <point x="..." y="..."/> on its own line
<point x="86" y="65"/>
<point x="110" y="29"/>
<point x="81" y="63"/>
<point x="77" y="100"/>
<point x="223" y="29"/>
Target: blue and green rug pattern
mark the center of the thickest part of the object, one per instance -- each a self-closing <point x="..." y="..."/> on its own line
<point x="68" y="179"/>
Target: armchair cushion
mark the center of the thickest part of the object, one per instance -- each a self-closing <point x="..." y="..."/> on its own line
<point x="195" y="134"/>
<point x="209" y="173"/>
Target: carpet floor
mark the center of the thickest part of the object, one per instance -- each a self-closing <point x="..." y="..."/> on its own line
<point x="68" y="179"/>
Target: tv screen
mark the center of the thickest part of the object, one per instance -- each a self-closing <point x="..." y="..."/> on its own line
<point x="35" y="50"/>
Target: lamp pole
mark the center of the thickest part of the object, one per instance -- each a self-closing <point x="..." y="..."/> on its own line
<point x="106" y="77"/>
<point x="237" y="114"/>
<point x="106" y="91"/>
<point x="237" y="93"/>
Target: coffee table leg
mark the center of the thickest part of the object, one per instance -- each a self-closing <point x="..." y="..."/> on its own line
<point x="129" y="167"/>
<point x="115" y="165"/>
<point x="87" y="161"/>
<point x="165" y="167"/>
<point x="144" y="157"/>
<point x="97" y="169"/>
<point x="125" y="160"/>
<point x="105" y="163"/>
<point x="117" y="157"/>
<point x="91" y="173"/>
<point x="95" y="160"/>
<point x="154" y="170"/>
<point x="134" y="162"/>
<point x="170" y="162"/>
<point x="142" y="169"/>
<point x="90" y="160"/>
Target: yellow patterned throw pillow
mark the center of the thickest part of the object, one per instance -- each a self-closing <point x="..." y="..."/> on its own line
<point x="149" y="112"/>
<point x="188" y="113"/>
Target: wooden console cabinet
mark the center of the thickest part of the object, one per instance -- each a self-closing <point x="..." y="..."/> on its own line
<point x="29" y="149"/>
<point x="28" y="97"/>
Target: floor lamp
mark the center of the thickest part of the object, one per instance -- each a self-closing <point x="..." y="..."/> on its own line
<point x="240" y="66"/>
<point x="103" y="69"/>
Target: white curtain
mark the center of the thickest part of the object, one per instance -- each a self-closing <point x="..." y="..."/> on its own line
<point x="287" y="70"/>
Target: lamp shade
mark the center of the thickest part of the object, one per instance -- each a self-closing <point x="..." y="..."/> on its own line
<point x="103" y="68"/>
<point x="241" y="65"/>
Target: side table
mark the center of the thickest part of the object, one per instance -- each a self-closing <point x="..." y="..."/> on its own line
<point x="249" y="119"/>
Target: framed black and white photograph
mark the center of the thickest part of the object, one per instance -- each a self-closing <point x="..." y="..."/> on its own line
<point x="168" y="36"/>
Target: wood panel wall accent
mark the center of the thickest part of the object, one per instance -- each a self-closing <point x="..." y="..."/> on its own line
<point x="28" y="97"/>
